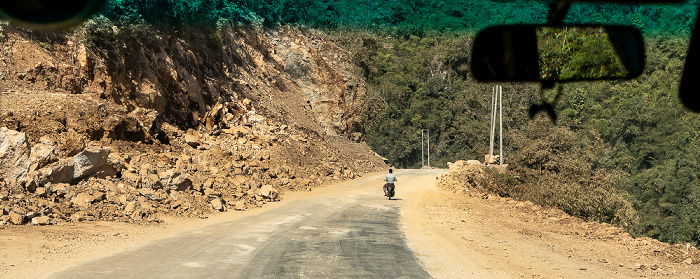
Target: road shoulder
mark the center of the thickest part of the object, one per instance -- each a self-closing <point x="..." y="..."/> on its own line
<point x="463" y="236"/>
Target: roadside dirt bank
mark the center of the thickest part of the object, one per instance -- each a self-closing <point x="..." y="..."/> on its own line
<point x="457" y="235"/>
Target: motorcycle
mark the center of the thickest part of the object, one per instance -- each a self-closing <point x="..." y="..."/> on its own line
<point x="389" y="190"/>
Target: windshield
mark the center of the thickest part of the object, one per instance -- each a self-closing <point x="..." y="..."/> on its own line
<point x="623" y="152"/>
<point x="204" y="103"/>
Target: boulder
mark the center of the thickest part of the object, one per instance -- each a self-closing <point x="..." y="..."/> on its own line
<point x="193" y="139"/>
<point x="4" y="219"/>
<point x="90" y="161"/>
<point x="232" y="119"/>
<point x="248" y="104"/>
<point x="86" y="163"/>
<point x="131" y="177"/>
<point x="115" y="164"/>
<point x="41" y="221"/>
<point x="175" y="180"/>
<point x="132" y="207"/>
<point x="16" y="218"/>
<point x="40" y="191"/>
<point x="14" y="155"/>
<point x="240" y="205"/>
<point x="61" y="189"/>
<point x="43" y="153"/>
<point x="268" y="192"/>
<point x="61" y="172"/>
<point x="150" y="180"/>
<point x="32" y="180"/>
<point x="217" y="204"/>
<point x="252" y="119"/>
<point x="138" y="125"/>
<point x="82" y="58"/>
<point x="83" y="200"/>
<point x="212" y="118"/>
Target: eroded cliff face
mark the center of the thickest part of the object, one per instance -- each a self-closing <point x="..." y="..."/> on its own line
<point x="126" y="123"/>
<point x="299" y="78"/>
<point x="323" y="73"/>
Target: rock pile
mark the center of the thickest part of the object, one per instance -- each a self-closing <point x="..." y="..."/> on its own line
<point x="169" y="127"/>
<point x="464" y="176"/>
<point x="237" y="161"/>
<point x="202" y="173"/>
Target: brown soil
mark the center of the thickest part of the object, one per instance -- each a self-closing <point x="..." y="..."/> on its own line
<point x="190" y="129"/>
<point x="493" y="237"/>
<point x="454" y="235"/>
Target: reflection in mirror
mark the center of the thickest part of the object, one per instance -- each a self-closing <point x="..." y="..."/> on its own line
<point x="576" y="53"/>
<point x="557" y="53"/>
<point x="49" y="15"/>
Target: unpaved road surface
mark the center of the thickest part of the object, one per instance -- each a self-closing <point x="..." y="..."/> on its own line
<point x="348" y="230"/>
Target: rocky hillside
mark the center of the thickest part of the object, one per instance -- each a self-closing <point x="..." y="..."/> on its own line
<point x="129" y="123"/>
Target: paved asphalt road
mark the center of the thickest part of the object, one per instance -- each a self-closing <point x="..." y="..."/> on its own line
<point x="351" y="231"/>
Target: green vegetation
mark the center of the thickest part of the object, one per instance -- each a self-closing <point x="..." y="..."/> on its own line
<point x="577" y="53"/>
<point x="624" y="152"/>
<point x="413" y="16"/>
<point x="651" y="138"/>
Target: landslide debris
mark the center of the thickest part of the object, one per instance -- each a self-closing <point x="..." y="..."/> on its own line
<point x="129" y="126"/>
<point x="471" y="179"/>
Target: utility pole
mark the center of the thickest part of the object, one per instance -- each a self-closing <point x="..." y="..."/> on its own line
<point x="500" y="144"/>
<point x="422" y="140"/>
<point x="497" y="106"/>
<point x="422" y="152"/>
<point x="428" y="147"/>
<point x="493" y="120"/>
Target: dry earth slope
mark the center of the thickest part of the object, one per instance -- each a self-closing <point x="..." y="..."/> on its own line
<point x="133" y="123"/>
<point x="546" y="237"/>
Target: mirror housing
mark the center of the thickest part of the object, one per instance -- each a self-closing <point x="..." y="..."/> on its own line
<point x="545" y="53"/>
<point x="49" y="14"/>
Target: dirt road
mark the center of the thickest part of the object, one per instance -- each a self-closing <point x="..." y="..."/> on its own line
<point x="350" y="230"/>
<point x="345" y="230"/>
<point x="456" y="235"/>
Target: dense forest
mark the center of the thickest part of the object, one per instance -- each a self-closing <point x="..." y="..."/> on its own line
<point x="624" y="152"/>
<point x="407" y="15"/>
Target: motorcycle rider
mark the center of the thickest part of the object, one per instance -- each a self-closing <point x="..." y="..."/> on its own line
<point x="390" y="179"/>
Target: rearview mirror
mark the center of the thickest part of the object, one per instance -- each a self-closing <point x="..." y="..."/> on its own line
<point x="49" y="14"/>
<point x="557" y="53"/>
